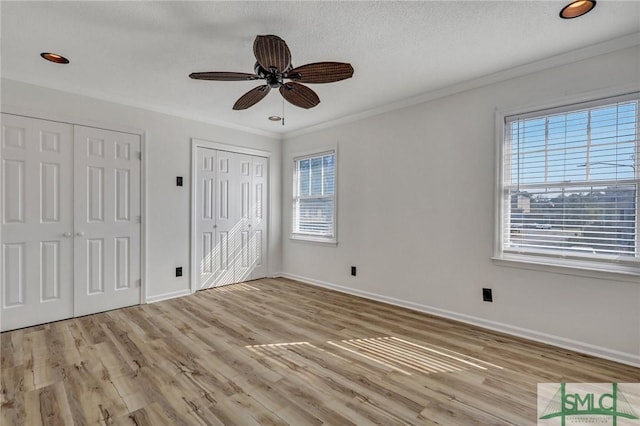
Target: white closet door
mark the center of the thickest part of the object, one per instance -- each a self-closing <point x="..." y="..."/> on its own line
<point x="227" y="230"/>
<point x="231" y="223"/>
<point x="106" y="220"/>
<point x="37" y="248"/>
<point x="251" y="244"/>
<point x="207" y="247"/>
<point x="242" y="187"/>
<point x="258" y="222"/>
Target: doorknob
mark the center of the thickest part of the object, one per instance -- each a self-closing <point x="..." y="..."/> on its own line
<point x="66" y="234"/>
<point x="80" y="234"/>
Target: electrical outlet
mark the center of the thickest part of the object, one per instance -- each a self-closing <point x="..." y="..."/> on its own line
<point x="179" y="271"/>
<point x="487" y="295"/>
<point x="353" y="271"/>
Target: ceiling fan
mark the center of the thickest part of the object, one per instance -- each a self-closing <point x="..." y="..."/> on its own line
<point x="274" y="65"/>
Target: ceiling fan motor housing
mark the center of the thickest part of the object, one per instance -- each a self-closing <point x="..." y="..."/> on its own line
<point x="273" y="77"/>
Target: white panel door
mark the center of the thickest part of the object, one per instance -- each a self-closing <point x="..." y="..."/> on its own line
<point x="37" y="248"/>
<point x="106" y="220"/>
<point x="227" y="226"/>
<point x="259" y="210"/>
<point x="242" y="187"/>
<point x="207" y="248"/>
<point x="231" y="245"/>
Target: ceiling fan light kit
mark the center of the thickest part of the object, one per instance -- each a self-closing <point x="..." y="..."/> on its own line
<point x="273" y="64"/>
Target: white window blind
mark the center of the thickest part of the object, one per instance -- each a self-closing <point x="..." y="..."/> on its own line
<point x="570" y="182"/>
<point x="314" y="197"/>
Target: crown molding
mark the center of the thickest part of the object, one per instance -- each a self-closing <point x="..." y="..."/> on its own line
<point x="629" y="40"/>
<point x="624" y="42"/>
<point x="160" y="110"/>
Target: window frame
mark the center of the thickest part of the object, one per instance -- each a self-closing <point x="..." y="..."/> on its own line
<point x="554" y="262"/>
<point x="295" y="159"/>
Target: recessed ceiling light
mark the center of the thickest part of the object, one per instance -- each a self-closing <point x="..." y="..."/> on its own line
<point x="577" y="8"/>
<point x="54" y="57"/>
<point x="275" y="118"/>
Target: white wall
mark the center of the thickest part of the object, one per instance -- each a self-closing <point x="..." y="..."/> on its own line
<point x="416" y="216"/>
<point x="168" y="152"/>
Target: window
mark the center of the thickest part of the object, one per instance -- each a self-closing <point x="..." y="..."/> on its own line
<point x="569" y="190"/>
<point x="314" y="203"/>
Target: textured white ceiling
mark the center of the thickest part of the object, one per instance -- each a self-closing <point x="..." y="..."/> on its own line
<point x="140" y="53"/>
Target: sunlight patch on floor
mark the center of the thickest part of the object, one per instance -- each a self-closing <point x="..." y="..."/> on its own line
<point x="408" y="355"/>
<point x="391" y="352"/>
<point x="281" y="353"/>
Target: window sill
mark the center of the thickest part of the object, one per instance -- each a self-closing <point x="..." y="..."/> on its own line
<point x="314" y="240"/>
<point x="625" y="273"/>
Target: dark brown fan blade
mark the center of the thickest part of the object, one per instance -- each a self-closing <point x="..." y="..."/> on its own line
<point x="252" y="97"/>
<point x="299" y="95"/>
<point x="272" y="52"/>
<point x="321" y="72"/>
<point x="223" y="76"/>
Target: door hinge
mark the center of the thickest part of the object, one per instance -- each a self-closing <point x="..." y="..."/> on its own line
<point x="139" y="155"/>
<point x="138" y="219"/>
<point x="138" y="282"/>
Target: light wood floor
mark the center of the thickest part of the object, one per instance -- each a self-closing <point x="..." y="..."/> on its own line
<point x="275" y="351"/>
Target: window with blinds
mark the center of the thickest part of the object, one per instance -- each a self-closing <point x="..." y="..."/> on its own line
<point x="314" y="197"/>
<point x="570" y="182"/>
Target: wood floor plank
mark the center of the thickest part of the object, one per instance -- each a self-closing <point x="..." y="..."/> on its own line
<point x="12" y="395"/>
<point x="48" y="406"/>
<point x="275" y="351"/>
<point x="92" y="398"/>
<point x="11" y="347"/>
<point x="150" y="415"/>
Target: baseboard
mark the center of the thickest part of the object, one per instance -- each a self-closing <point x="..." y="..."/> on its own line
<point x="574" y="345"/>
<point x="167" y="296"/>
